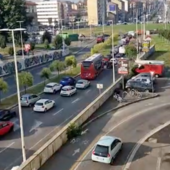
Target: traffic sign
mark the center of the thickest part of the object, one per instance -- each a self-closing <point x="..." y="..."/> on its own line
<point x="100" y="86"/>
<point x="123" y="66"/>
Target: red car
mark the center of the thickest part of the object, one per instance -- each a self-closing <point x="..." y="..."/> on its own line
<point x="6" y="127"/>
<point x="100" y="39"/>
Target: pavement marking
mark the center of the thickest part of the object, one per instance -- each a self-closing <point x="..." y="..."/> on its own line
<point x="7" y="147"/>
<point x="58" y="112"/>
<point x="36" y="125"/>
<point x="140" y="142"/>
<point x="16" y="160"/>
<point x="75" y="100"/>
<point x="158" y="164"/>
<point x="88" y="91"/>
<point x="93" y="143"/>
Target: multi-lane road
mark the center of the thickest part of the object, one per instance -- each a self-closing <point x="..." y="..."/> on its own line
<point x="40" y="127"/>
<point x="131" y="124"/>
<point x="36" y="70"/>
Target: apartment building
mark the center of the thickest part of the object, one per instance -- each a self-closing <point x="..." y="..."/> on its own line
<point x="96" y="11"/>
<point x="49" y="12"/>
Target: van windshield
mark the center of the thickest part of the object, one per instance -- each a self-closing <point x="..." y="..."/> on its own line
<point x="101" y="150"/>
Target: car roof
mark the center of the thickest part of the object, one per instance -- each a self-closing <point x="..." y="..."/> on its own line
<point x="66" y="87"/>
<point x="144" y="74"/>
<point x="42" y="100"/>
<point x="106" y="140"/>
<point x="52" y="84"/>
<point x="82" y="80"/>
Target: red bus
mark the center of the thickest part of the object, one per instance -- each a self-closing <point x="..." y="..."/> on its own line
<point x="91" y="67"/>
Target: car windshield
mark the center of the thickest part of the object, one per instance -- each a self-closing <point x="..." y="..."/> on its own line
<point x="49" y="86"/>
<point x="65" y="79"/>
<point x="65" y="89"/>
<point x="101" y="150"/>
<point x="39" y="104"/>
<point x="23" y="98"/>
<point x="86" y="64"/>
<point x="80" y="82"/>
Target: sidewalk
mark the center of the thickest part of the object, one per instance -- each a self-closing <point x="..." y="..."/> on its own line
<point x="155" y="153"/>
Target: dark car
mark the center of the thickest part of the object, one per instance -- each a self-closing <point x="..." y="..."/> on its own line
<point x="100" y="39"/>
<point x="19" y="52"/>
<point x="139" y="86"/>
<point x="66" y="81"/>
<point x="6" y="115"/>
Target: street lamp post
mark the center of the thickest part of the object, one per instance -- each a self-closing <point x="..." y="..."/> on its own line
<point x="152" y="74"/>
<point x="18" y="90"/>
<point x="20" y="22"/>
<point x="113" y="63"/>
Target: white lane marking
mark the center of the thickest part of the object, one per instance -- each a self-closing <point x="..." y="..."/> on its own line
<point x="7" y="147"/>
<point x="36" y="125"/>
<point x="13" y="163"/>
<point x="88" y="91"/>
<point x="75" y="100"/>
<point x="158" y="164"/>
<point x="58" y="112"/>
<point x="120" y="123"/>
<point x="140" y="142"/>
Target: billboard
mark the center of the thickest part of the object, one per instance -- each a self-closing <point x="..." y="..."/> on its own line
<point x="123" y="66"/>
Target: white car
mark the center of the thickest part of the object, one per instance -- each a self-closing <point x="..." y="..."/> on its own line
<point x="106" y="149"/>
<point x="68" y="91"/>
<point x="52" y="88"/>
<point x="43" y="105"/>
<point x="82" y="84"/>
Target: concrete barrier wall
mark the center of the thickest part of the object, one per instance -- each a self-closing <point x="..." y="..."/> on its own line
<point x="7" y="67"/>
<point x="49" y="148"/>
<point x="144" y="56"/>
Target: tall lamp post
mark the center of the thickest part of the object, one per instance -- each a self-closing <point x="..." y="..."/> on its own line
<point x="152" y="74"/>
<point x="18" y="90"/>
<point x="20" y="22"/>
<point x="113" y="62"/>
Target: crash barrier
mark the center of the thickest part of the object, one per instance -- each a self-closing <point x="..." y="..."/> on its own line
<point x="8" y="67"/>
<point x="55" y="143"/>
<point x="145" y="56"/>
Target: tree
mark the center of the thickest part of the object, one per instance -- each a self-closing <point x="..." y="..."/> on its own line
<point x="11" y="51"/>
<point x="67" y="41"/>
<point x="57" y="66"/>
<point x="45" y="74"/>
<point x="3" y="87"/>
<point x="25" y="80"/>
<point x="32" y="46"/>
<point x="93" y="51"/>
<point x="130" y="51"/>
<point x="71" y="61"/>
<point x="11" y="12"/>
<point x="2" y="41"/>
<point x="46" y="44"/>
<point x="46" y="36"/>
<point x="57" y="43"/>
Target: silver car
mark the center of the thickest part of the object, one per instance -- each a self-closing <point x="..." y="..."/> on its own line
<point x="29" y="99"/>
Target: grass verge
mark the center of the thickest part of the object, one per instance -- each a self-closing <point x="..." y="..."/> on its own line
<point x="10" y="101"/>
<point x="117" y="29"/>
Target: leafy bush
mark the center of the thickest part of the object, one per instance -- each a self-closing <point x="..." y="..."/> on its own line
<point x="67" y="41"/>
<point x="10" y="51"/>
<point x="58" y="42"/>
<point x="73" y="131"/>
<point x="46" y="44"/>
<point x="32" y="46"/>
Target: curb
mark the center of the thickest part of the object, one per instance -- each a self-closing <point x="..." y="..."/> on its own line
<point x="12" y="107"/>
<point x="118" y="107"/>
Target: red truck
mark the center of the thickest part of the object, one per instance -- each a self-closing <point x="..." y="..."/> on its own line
<point x="153" y="66"/>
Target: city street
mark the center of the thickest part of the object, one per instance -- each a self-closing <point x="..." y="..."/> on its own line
<point x="35" y="71"/>
<point x="131" y="124"/>
<point x="40" y="127"/>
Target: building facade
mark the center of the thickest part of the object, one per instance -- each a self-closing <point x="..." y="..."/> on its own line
<point x="49" y="12"/>
<point x="96" y="11"/>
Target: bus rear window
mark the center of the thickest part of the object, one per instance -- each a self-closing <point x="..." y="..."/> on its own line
<point x="86" y="64"/>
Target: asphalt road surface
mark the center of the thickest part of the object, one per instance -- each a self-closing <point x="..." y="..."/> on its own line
<point x="40" y="127"/>
<point x="131" y="124"/>
<point x="36" y="72"/>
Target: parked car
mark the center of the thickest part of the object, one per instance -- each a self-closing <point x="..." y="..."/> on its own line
<point x="6" y="127"/>
<point x="68" y="91"/>
<point x="43" y="105"/>
<point x="106" y="149"/>
<point x="142" y="79"/>
<point x="29" y="99"/>
<point x="6" y="115"/>
<point x="66" y="81"/>
<point x="140" y="86"/>
<point x="52" y="88"/>
<point x="100" y="39"/>
<point x="19" y="52"/>
<point x="145" y="75"/>
<point x="82" y="84"/>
